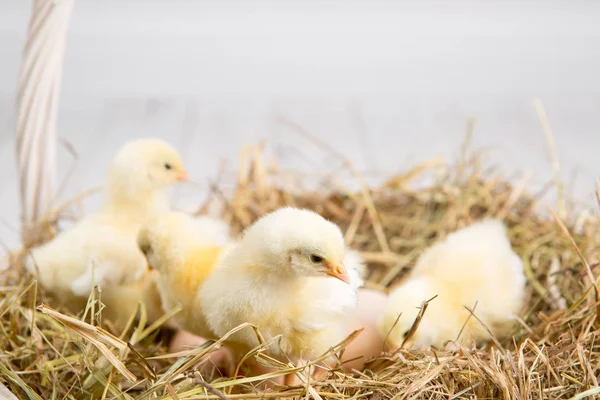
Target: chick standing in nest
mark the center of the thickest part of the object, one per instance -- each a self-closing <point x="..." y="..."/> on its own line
<point x="287" y="277"/>
<point x="101" y="248"/>
<point x="473" y="267"/>
<point x="184" y="251"/>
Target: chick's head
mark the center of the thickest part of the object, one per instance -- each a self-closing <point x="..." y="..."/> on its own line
<point x="293" y="241"/>
<point x="148" y="164"/>
<point x="164" y="238"/>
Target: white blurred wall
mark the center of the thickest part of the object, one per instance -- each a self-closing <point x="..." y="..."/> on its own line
<point x="388" y="83"/>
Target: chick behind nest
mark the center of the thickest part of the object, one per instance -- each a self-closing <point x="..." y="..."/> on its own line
<point x="101" y="248"/>
<point x="473" y="267"/>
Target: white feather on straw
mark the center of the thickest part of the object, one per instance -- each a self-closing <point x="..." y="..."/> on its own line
<point x="37" y="108"/>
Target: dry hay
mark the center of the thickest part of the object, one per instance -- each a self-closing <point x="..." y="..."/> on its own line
<point x="553" y="354"/>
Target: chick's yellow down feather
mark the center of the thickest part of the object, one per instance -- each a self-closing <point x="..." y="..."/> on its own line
<point x="101" y="248"/>
<point x="184" y="251"/>
<point x="473" y="267"/>
<point x="287" y="277"/>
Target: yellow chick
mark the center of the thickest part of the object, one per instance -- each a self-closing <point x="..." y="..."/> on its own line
<point x="101" y="248"/>
<point x="473" y="267"/>
<point x="184" y="251"/>
<point x="287" y="277"/>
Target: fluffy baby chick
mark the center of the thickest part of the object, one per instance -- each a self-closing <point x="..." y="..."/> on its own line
<point x="184" y="251"/>
<point x="473" y="267"/>
<point x="101" y="248"/>
<point x="287" y="277"/>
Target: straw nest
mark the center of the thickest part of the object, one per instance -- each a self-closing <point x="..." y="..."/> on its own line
<point x="553" y="354"/>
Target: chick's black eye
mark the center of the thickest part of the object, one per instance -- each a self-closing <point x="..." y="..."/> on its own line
<point x="168" y="166"/>
<point x="315" y="258"/>
<point x="405" y="334"/>
<point x="145" y="249"/>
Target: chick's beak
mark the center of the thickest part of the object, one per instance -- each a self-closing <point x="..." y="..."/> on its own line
<point x="338" y="271"/>
<point x="182" y="176"/>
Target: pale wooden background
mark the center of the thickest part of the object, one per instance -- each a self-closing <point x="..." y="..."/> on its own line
<point x="388" y="83"/>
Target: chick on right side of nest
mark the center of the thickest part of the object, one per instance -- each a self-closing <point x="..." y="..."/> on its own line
<point x="101" y="248"/>
<point x="286" y="276"/>
<point x="183" y="251"/>
<point x="473" y="267"/>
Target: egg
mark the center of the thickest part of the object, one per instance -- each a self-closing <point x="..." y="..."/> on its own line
<point x="369" y="343"/>
<point x="221" y="359"/>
